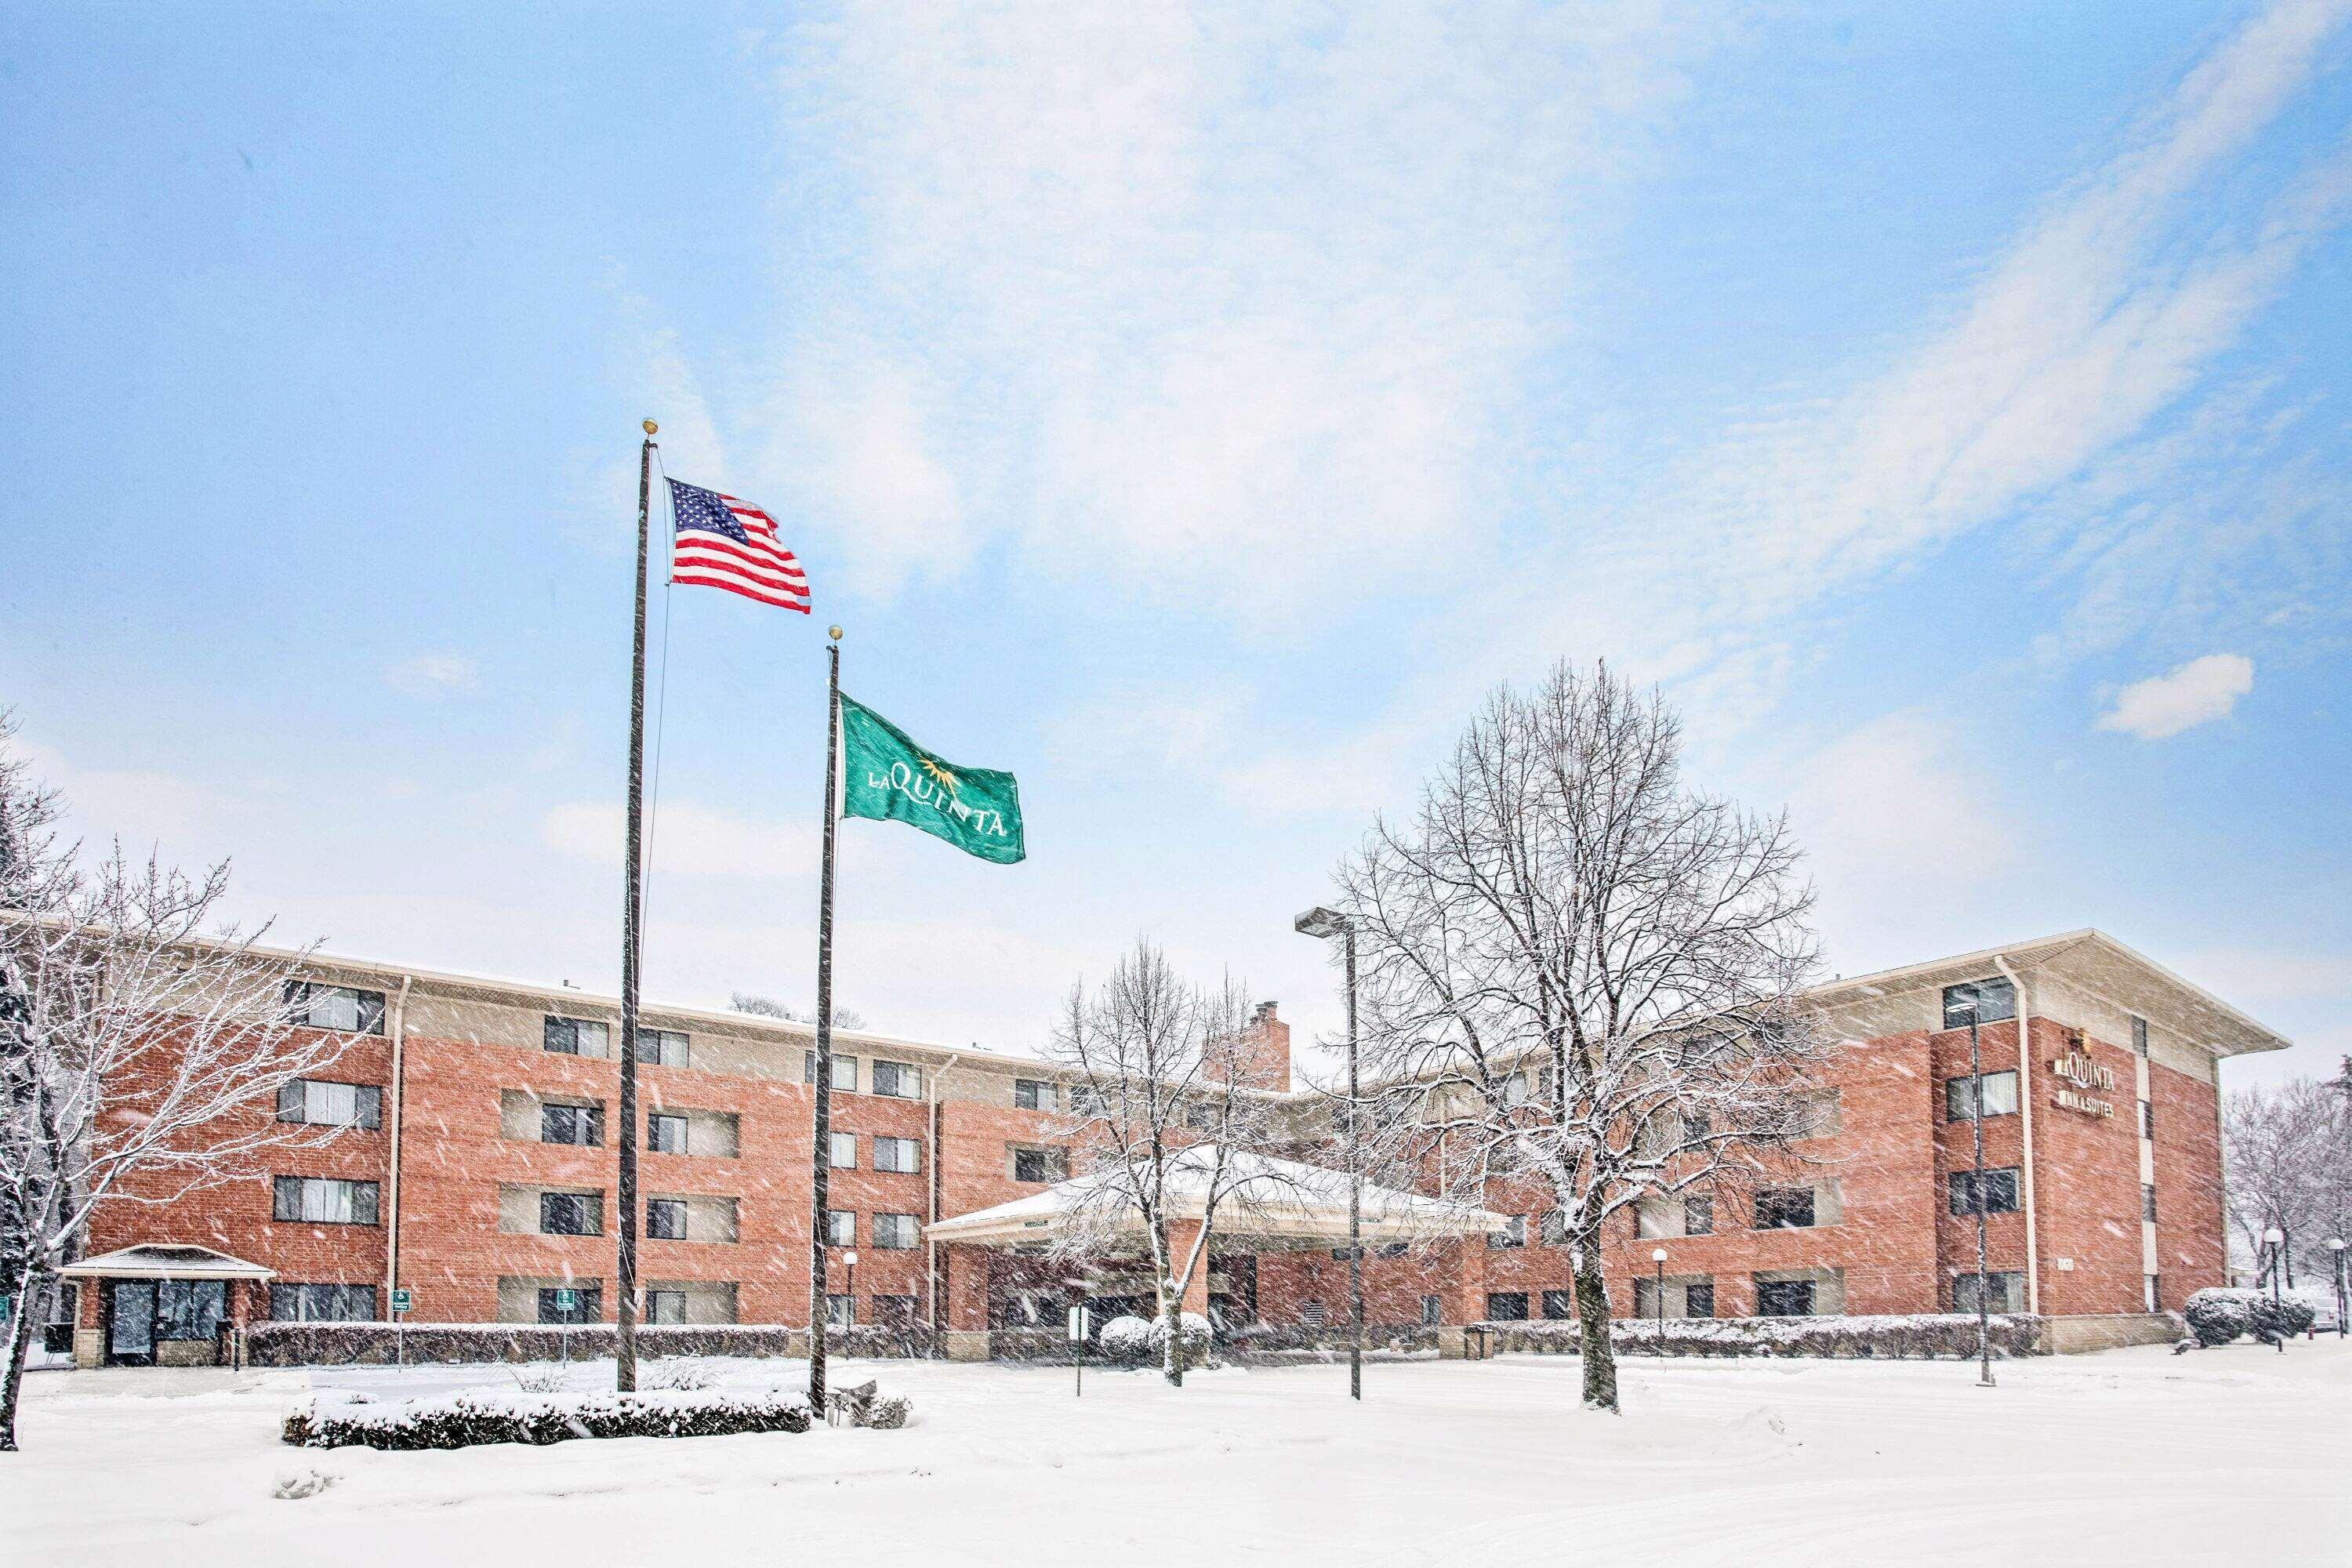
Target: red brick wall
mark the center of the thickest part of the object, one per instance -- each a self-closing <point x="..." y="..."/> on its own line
<point x="2191" y="1233"/>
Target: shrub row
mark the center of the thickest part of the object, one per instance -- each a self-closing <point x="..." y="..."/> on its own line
<point x="1937" y="1336"/>
<point x="2218" y="1316"/>
<point x="466" y="1420"/>
<point x="338" y="1344"/>
<point x="1276" y="1341"/>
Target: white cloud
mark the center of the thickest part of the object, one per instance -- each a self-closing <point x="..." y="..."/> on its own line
<point x="2195" y="693"/>
<point x="1891" y="814"/>
<point x="685" y="838"/>
<point x="433" y="674"/>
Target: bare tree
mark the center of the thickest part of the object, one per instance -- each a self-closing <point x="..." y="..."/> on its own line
<point x="140" y="1057"/>
<point x="1169" y="1136"/>
<point x="1578" y="973"/>
<point x="761" y="1007"/>
<point x="2285" y="1164"/>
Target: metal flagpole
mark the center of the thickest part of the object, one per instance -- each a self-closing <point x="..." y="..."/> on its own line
<point x="820" y="1145"/>
<point x="632" y="903"/>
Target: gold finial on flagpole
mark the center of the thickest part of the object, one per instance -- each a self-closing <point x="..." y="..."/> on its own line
<point x="652" y="428"/>
<point x="833" y="632"/>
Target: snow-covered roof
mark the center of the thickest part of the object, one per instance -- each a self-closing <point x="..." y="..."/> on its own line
<point x="1264" y="1196"/>
<point x="157" y="1261"/>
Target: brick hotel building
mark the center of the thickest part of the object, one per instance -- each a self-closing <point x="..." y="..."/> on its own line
<point x="478" y="1172"/>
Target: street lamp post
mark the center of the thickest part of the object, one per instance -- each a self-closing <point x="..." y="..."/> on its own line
<point x="1976" y="1134"/>
<point x="2336" y="1255"/>
<point x="2277" y="1239"/>
<point x="1658" y="1294"/>
<point x="850" y="1262"/>
<point x="1323" y="924"/>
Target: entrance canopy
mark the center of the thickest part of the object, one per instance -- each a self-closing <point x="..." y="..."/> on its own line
<point x="151" y="1261"/>
<point x="1280" y="1200"/>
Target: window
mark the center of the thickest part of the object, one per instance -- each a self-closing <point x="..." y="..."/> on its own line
<point x="665" y="1305"/>
<point x="1392" y="1249"/>
<point x="893" y="1232"/>
<point x="661" y="1048"/>
<point x="666" y="1133"/>
<point x="1990" y="1000"/>
<point x="1553" y="1231"/>
<point x="322" y="1303"/>
<point x="1652" y="1218"/>
<point x="1784" y="1208"/>
<point x="895" y="1311"/>
<point x="1031" y="1094"/>
<point x="322" y="1200"/>
<point x="1698" y="1298"/>
<point x="1999" y="1095"/>
<point x="573" y="1037"/>
<point x="1512" y="1235"/>
<point x="1999" y="1189"/>
<point x="1314" y="1314"/>
<point x="1039" y="1165"/>
<point x="570" y="1214"/>
<point x="2148" y="1119"/>
<point x="1698" y="1216"/>
<point x="580" y="1124"/>
<point x="1432" y="1311"/>
<point x="337" y="1007"/>
<point x="899" y="1080"/>
<point x="840" y="1311"/>
<point x="1514" y="1094"/>
<point x="190" y="1308"/>
<point x="587" y="1304"/>
<point x="1821" y="1114"/>
<point x="841" y="1151"/>
<point x="844" y="1071"/>
<point x="2140" y="1039"/>
<point x="903" y="1155"/>
<point x="666" y="1219"/>
<point x="1784" y="1298"/>
<point x="1559" y="1306"/>
<point x="1506" y="1306"/>
<point x="2002" y="1292"/>
<point x="841" y="1227"/>
<point x="2147" y="1200"/>
<point x="330" y="1104"/>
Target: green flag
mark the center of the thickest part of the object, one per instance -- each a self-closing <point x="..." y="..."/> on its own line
<point x="889" y="778"/>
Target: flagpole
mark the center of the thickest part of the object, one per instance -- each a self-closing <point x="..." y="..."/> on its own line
<point x="820" y="1145"/>
<point x="626" y="1309"/>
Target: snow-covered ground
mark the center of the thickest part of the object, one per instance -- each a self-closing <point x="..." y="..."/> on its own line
<point x="2134" y="1457"/>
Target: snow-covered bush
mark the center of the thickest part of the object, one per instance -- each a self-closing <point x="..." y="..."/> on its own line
<point x="2283" y="1319"/>
<point x="1197" y="1337"/>
<point x="345" y="1344"/>
<point x="463" y="1420"/>
<point x="541" y="1379"/>
<point x="2218" y="1316"/>
<point x="888" y="1413"/>
<point x="1125" y="1339"/>
<point x="681" y="1375"/>
<point x="1932" y="1336"/>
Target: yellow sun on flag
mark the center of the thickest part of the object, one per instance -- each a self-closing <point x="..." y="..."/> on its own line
<point x="947" y="780"/>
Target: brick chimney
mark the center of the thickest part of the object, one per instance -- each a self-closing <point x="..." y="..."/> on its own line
<point x="1264" y="1051"/>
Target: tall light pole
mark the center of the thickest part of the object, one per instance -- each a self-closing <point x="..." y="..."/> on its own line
<point x="1658" y="1293"/>
<point x="2277" y="1241"/>
<point x="1324" y="924"/>
<point x="2336" y="1255"/>
<point x="1976" y="1131"/>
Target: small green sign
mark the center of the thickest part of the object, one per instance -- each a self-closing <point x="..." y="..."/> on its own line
<point x="400" y="1301"/>
<point x="567" y="1300"/>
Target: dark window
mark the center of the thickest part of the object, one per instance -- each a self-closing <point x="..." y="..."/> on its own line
<point x="339" y="1008"/>
<point x="1698" y="1298"/>
<point x="2155" y="1296"/>
<point x="1553" y="1231"/>
<point x="322" y="1303"/>
<point x="2148" y="1119"/>
<point x="587" y="1304"/>
<point x="1645" y="1296"/>
<point x="661" y="1048"/>
<point x="323" y="1104"/>
<point x="840" y="1311"/>
<point x="190" y="1308"/>
<point x="1433" y="1310"/>
<point x="579" y="1124"/>
<point x="665" y="1305"/>
<point x="1506" y="1306"/>
<point x="1513" y="1235"/>
<point x="666" y="1134"/>
<point x="1698" y="1216"/>
<point x="2147" y="1200"/>
<point x="570" y="1214"/>
<point x="666" y="1219"/>
<point x="901" y="1155"/>
<point x="1784" y="1208"/>
<point x="1558" y="1305"/>
<point x="322" y="1200"/>
<point x="1031" y="1094"/>
<point x="841" y="1227"/>
<point x="899" y="1080"/>
<point x="893" y="1232"/>
<point x="1999" y="1095"/>
<point x="2006" y="1293"/>
<point x="2139" y="1036"/>
<point x="1990" y="1000"/>
<point x="1037" y="1165"/>
<point x="1784" y="1298"/>
<point x="1392" y="1249"/>
<point x="2000" y="1190"/>
<point x="895" y="1311"/>
<point x="573" y="1036"/>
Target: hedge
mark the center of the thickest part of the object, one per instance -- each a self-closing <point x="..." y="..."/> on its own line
<point x="468" y="1419"/>
<point x="337" y="1344"/>
<point x="1939" y="1336"/>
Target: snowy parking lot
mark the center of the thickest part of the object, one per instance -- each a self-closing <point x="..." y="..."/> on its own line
<point x="2225" y="1456"/>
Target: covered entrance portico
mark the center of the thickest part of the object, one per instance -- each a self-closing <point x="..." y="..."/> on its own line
<point x="159" y="1305"/>
<point x="1275" y="1252"/>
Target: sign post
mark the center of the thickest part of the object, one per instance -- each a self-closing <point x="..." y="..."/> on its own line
<point x="567" y="1303"/>
<point x="1082" y="1320"/>
<point x="401" y="1302"/>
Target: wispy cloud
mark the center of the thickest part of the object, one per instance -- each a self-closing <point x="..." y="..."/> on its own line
<point x="433" y="674"/>
<point x="2198" y="692"/>
<point x="685" y="838"/>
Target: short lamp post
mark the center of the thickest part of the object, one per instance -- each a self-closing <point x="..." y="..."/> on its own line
<point x="2336" y="1255"/>
<point x="1324" y="924"/>
<point x="2277" y="1241"/>
<point x="1658" y="1294"/>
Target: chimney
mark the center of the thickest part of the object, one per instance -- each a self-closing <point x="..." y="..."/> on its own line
<point x="1266" y="1051"/>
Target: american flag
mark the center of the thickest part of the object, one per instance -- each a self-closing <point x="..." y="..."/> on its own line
<point x="723" y="542"/>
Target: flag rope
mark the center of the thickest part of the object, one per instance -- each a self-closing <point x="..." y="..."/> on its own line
<point x="661" y="721"/>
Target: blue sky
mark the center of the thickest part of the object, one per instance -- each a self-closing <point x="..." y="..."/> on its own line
<point x="1193" y="412"/>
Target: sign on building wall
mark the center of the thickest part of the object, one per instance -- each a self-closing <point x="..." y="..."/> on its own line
<point x="2084" y="1075"/>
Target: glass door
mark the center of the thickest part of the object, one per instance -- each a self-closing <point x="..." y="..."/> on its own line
<point x="130" y="1326"/>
